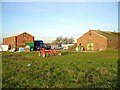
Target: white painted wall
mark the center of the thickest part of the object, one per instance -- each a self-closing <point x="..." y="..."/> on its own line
<point x="65" y="46"/>
<point x="4" y="47"/>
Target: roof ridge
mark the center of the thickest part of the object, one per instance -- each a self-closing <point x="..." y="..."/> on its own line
<point x="19" y="34"/>
<point x="107" y="34"/>
<point x="15" y="35"/>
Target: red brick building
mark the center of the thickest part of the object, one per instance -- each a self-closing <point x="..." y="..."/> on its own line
<point x="19" y="40"/>
<point x="96" y="40"/>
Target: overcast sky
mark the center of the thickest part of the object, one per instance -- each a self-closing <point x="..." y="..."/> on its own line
<point x="47" y="20"/>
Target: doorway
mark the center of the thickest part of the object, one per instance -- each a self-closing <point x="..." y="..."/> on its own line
<point x="90" y="46"/>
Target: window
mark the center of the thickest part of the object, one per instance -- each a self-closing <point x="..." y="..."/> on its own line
<point x="24" y="35"/>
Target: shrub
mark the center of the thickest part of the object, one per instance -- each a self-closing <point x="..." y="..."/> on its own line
<point x="71" y="47"/>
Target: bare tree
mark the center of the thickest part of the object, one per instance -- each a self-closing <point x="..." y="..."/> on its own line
<point x="58" y="40"/>
<point x="70" y="40"/>
<point x="61" y="40"/>
<point x="65" y="40"/>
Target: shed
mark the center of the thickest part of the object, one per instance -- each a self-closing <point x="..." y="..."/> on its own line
<point x="97" y="40"/>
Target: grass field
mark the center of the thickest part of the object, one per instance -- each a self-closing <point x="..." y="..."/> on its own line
<point x="71" y="70"/>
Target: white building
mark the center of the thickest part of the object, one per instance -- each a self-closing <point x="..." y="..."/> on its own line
<point x="65" y="46"/>
<point x="4" y="47"/>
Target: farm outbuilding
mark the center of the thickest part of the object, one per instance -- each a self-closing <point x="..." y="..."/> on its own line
<point x="97" y="40"/>
<point x="18" y="40"/>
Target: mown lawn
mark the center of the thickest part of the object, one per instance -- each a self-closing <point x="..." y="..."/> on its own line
<point x="71" y="70"/>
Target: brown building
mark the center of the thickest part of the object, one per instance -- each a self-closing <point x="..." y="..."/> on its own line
<point x="96" y="40"/>
<point x="19" y="40"/>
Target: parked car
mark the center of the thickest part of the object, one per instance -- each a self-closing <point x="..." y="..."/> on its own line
<point x="56" y="47"/>
<point x="43" y="46"/>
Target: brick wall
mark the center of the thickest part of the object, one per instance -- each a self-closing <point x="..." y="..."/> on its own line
<point x="19" y="40"/>
<point x="113" y="43"/>
<point x="10" y="41"/>
<point x="23" y="38"/>
<point x="99" y="42"/>
<point x="6" y="41"/>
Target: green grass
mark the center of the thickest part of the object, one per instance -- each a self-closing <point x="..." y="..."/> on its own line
<point x="71" y="70"/>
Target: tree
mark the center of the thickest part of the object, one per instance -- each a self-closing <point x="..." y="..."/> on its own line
<point x="61" y="40"/>
<point x="70" y="40"/>
<point x="58" y="40"/>
<point x="65" y="40"/>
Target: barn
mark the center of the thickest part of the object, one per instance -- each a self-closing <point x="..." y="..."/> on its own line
<point x="19" y="40"/>
<point x="97" y="40"/>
